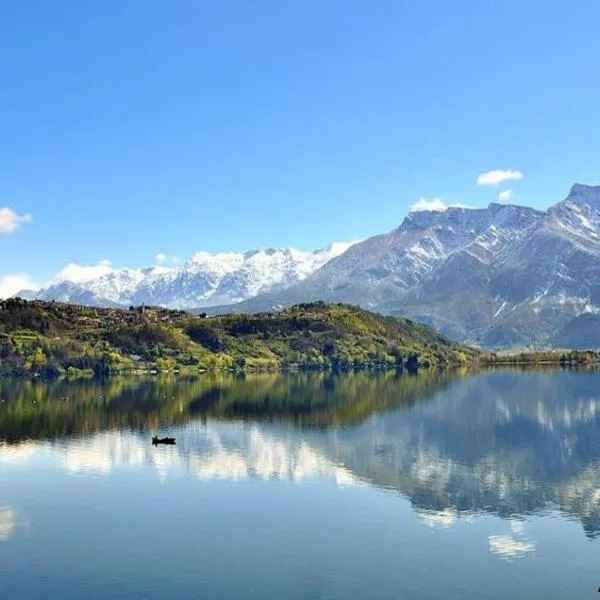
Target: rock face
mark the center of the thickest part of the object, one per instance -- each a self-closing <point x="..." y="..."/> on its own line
<point x="204" y="279"/>
<point x="502" y="276"/>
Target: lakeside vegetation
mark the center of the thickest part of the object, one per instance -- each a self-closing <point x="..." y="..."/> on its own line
<point x="52" y="339"/>
<point x="49" y="339"/>
<point x="565" y="358"/>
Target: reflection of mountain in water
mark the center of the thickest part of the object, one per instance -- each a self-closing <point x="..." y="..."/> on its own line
<point x="510" y="443"/>
<point x="507" y="442"/>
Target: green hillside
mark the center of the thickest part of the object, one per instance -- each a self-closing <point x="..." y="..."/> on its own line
<point x="48" y="338"/>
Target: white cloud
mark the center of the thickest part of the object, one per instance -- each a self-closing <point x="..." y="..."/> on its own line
<point x="83" y="273"/>
<point x="428" y="204"/>
<point x="433" y="204"/>
<point x="76" y="273"/>
<point x="497" y="176"/>
<point x="506" y="196"/>
<point x="164" y="259"/>
<point x="10" y="221"/>
<point x="11" y="284"/>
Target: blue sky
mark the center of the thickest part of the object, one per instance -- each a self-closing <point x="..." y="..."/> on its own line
<point x="132" y="128"/>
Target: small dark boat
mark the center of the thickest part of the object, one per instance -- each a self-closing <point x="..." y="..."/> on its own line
<point x="165" y="440"/>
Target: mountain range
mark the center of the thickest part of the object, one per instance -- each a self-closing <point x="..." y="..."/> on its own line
<point x="204" y="279"/>
<point x="501" y="276"/>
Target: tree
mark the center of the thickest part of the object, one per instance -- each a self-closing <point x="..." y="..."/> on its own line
<point x="164" y="364"/>
<point x="38" y="358"/>
<point x="239" y="363"/>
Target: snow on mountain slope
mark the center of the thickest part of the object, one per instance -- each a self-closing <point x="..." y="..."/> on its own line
<point x="504" y="275"/>
<point x="204" y="279"/>
<point x="388" y="266"/>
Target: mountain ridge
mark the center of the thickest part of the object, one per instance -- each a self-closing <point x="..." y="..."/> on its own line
<point x="203" y="279"/>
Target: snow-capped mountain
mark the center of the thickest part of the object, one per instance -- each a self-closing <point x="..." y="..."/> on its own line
<point x="503" y="275"/>
<point x="202" y="280"/>
<point x="390" y="265"/>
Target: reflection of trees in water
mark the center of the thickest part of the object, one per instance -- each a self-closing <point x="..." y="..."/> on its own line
<point x="43" y="410"/>
<point x="510" y="443"/>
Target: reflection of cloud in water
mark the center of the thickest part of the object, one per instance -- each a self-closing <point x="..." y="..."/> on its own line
<point x="513" y="545"/>
<point x="438" y="519"/>
<point x="508" y="547"/>
<point x="8" y="520"/>
<point x="214" y="451"/>
<point x="441" y="519"/>
<point x="87" y="459"/>
<point x="516" y="526"/>
<point x="17" y="454"/>
<point x="266" y="457"/>
<point x="101" y="452"/>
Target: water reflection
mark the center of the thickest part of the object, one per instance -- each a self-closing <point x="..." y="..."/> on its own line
<point x="507" y="546"/>
<point x="49" y="410"/>
<point x="506" y="443"/>
<point x="8" y="520"/>
<point x="441" y="519"/>
<point x="208" y="451"/>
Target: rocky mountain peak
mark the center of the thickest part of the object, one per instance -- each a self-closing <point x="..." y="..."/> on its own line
<point x="424" y="219"/>
<point x="580" y="191"/>
<point x="585" y="196"/>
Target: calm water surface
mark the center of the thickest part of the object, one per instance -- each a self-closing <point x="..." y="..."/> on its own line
<point x="300" y="486"/>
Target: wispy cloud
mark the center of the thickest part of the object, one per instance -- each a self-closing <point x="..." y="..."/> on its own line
<point x="10" y="221"/>
<point x="506" y="196"/>
<point x="433" y="204"/>
<point x="497" y="176"/>
<point x="12" y="284"/>
<point x="164" y="259"/>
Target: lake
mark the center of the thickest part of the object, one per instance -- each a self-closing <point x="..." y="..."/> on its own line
<point x="432" y="486"/>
